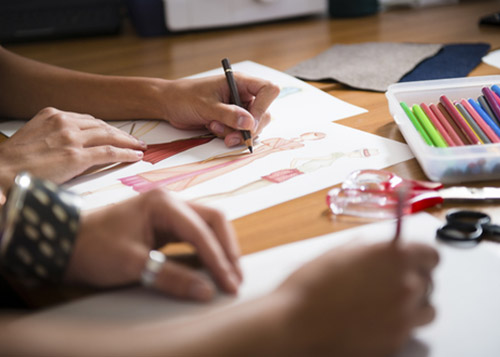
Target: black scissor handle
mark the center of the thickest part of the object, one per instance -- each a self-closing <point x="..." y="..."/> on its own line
<point x="468" y="217"/>
<point x="460" y="232"/>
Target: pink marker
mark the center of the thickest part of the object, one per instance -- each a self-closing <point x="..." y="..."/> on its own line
<point x="446" y="124"/>
<point x="459" y="120"/>
<point x="437" y="124"/>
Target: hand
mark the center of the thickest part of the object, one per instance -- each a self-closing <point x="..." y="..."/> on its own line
<point x="361" y="301"/>
<point x="113" y="245"/>
<point x="59" y="145"/>
<point x="204" y="103"/>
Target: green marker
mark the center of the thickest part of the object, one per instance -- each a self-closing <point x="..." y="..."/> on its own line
<point x="416" y="124"/>
<point x="436" y="137"/>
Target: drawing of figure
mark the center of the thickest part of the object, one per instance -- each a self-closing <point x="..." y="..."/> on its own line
<point x="309" y="165"/>
<point x="181" y="177"/>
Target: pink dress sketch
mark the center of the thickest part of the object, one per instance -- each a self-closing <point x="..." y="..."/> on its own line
<point x="298" y="166"/>
<point x="181" y="177"/>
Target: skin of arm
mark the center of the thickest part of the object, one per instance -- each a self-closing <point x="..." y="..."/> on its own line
<point x="185" y="103"/>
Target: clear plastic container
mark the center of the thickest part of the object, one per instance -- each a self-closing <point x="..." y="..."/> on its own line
<point x="452" y="164"/>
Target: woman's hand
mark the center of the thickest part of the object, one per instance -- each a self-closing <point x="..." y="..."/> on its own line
<point x="113" y="246"/>
<point x="204" y="103"/>
<point x="59" y="145"/>
<point x="360" y="301"/>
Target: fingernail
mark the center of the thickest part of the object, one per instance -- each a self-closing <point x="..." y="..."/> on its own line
<point x="233" y="141"/>
<point x="142" y="143"/>
<point x="244" y="123"/>
<point x="201" y="291"/>
<point x="217" y="127"/>
<point x="139" y="154"/>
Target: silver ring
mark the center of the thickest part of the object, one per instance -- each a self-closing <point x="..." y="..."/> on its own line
<point x="153" y="265"/>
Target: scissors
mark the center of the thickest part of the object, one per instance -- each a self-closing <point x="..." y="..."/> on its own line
<point x="373" y="194"/>
<point x="467" y="226"/>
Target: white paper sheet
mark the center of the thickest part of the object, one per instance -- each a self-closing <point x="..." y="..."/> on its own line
<point x="493" y="58"/>
<point x="314" y="165"/>
<point x="466" y="292"/>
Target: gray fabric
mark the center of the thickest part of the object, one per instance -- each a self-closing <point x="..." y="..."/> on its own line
<point x="371" y="66"/>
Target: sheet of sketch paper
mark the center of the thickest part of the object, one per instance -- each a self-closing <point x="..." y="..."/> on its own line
<point x="464" y="295"/>
<point x="297" y="153"/>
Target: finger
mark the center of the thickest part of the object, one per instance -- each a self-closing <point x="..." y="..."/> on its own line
<point x="224" y="232"/>
<point x="88" y="122"/>
<point x="233" y="116"/>
<point x="231" y="137"/>
<point x="262" y="123"/>
<point x="181" y="282"/>
<point x="261" y="92"/>
<point x="82" y="121"/>
<point x="110" y="136"/>
<point x="219" y="128"/>
<point x="190" y="227"/>
<point x="425" y="315"/>
<point x="106" y="154"/>
<point x="421" y="256"/>
<point x="85" y="121"/>
<point x="419" y="287"/>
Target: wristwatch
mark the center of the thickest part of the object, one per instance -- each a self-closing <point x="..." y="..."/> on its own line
<point x="38" y="228"/>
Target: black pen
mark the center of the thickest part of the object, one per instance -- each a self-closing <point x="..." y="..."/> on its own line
<point x="235" y="98"/>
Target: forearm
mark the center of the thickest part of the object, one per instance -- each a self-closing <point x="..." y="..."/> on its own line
<point x="255" y="328"/>
<point x="28" y="86"/>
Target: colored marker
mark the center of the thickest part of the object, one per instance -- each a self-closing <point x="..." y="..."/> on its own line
<point x="497" y="98"/>
<point x="458" y="131"/>
<point x="416" y="124"/>
<point x="486" y="107"/>
<point x="496" y="89"/>
<point x="447" y="124"/>
<point x="437" y="124"/>
<point x="495" y="108"/>
<point x="431" y="130"/>
<point x="459" y="120"/>
<point x="477" y="129"/>
<point x="487" y="130"/>
<point x="485" y="116"/>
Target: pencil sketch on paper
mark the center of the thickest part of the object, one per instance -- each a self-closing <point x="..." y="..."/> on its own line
<point x="181" y="177"/>
<point x="298" y="166"/>
<point x="178" y="178"/>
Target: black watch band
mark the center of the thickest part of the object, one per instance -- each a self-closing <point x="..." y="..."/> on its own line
<point x="39" y="225"/>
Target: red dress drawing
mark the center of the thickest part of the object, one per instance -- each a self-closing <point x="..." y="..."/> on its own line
<point x="157" y="152"/>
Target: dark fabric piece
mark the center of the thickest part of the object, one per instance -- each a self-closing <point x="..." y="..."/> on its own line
<point x="453" y="60"/>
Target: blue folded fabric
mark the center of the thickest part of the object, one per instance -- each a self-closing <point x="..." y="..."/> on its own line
<point x="453" y="60"/>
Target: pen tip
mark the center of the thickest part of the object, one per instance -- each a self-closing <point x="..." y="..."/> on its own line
<point x="251" y="149"/>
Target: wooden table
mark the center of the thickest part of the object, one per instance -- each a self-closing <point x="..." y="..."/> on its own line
<point x="281" y="45"/>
